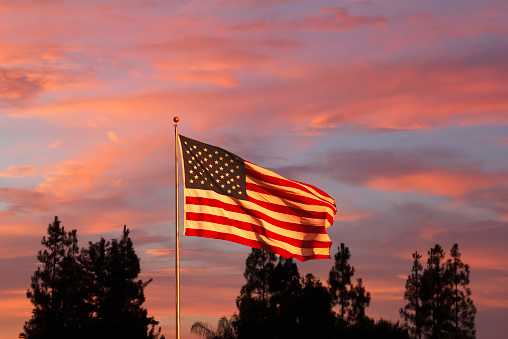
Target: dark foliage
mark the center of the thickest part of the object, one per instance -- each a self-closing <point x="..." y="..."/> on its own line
<point x="414" y="313"/>
<point x="439" y="299"/>
<point x="351" y="299"/>
<point x="340" y="283"/>
<point x="89" y="292"/>
<point x="277" y="303"/>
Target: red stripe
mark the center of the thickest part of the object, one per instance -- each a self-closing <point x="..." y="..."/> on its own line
<point x="252" y="243"/>
<point x="255" y="214"/>
<point x="289" y="196"/>
<point x="286" y="209"/>
<point x="249" y="227"/>
<point x="284" y="195"/>
<point x="289" y="183"/>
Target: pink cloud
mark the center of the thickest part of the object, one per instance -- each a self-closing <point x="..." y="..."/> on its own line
<point x="21" y="200"/>
<point x="440" y="182"/>
<point x="338" y="19"/>
<point x="16" y="86"/>
<point x="18" y="172"/>
<point x="352" y="216"/>
<point x="224" y="78"/>
<point x="328" y="19"/>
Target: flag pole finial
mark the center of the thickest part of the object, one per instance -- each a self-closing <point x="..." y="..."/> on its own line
<point x="176" y="119"/>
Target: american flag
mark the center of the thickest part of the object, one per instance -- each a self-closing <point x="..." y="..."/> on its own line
<point x="229" y="198"/>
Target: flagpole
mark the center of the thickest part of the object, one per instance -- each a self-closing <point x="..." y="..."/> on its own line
<point x="177" y="234"/>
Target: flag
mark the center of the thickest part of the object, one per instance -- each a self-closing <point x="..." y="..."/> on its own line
<point x="229" y="198"/>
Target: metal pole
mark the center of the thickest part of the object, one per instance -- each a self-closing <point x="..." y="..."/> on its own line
<point x="177" y="234"/>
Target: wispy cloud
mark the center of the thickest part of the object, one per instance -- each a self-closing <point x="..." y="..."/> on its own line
<point x="18" y="172"/>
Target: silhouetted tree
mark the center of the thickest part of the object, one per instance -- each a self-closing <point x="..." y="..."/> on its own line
<point x="255" y="319"/>
<point x="58" y="289"/>
<point x="462" y="306"/>
<point x="276" y="303"/>
<point x="316" y="318"/>
<point x="436" y="294"/>
<point x="88" y="293"/>
<point x="360" y="301"/>
<point x="439" y="300"/>
<point x="225" y="329"/>
<point x="413" y="313"/>
<point x="285" y="289"/>
<point x="385" y="329"/>
<point x="369" y="329"/>
<point x="118" y="295"/>
<point x="291" y="307"/>
<point x="340" y="283"/>
<point x="259" y="268"/>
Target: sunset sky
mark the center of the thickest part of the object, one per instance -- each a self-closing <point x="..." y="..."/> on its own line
<point x="398" y="109"/>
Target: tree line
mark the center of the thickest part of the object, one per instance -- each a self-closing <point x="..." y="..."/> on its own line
<point x="439" y="303"/>
<point x="276" y="302"/>
<point x="90" y="292"/>
<point x="95" y="292"/>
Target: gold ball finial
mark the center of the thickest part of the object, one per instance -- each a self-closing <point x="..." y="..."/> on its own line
<point x="176" y="119"/>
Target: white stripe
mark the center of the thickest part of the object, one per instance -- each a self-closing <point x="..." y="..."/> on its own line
<point x="288" y="189"/>
<point x="265" y="171"/>
<point x="288" y="202"/>
<point x="281" y="188"/>
<point x="252" y="206"/>
<point x="275" y="200"/>
<point x="217" y="211"/>
<point x="246" y="218"/>
<point x="202" y="225"/>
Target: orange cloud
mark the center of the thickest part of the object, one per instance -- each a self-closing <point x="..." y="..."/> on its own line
<point x="352" y="216"/>
<point x="18" y="172"/>
<point x="15" y="304"/>
<point x="439" y="182"/>
<point x="112" y="136"/>
<point x="222" y="78"/>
